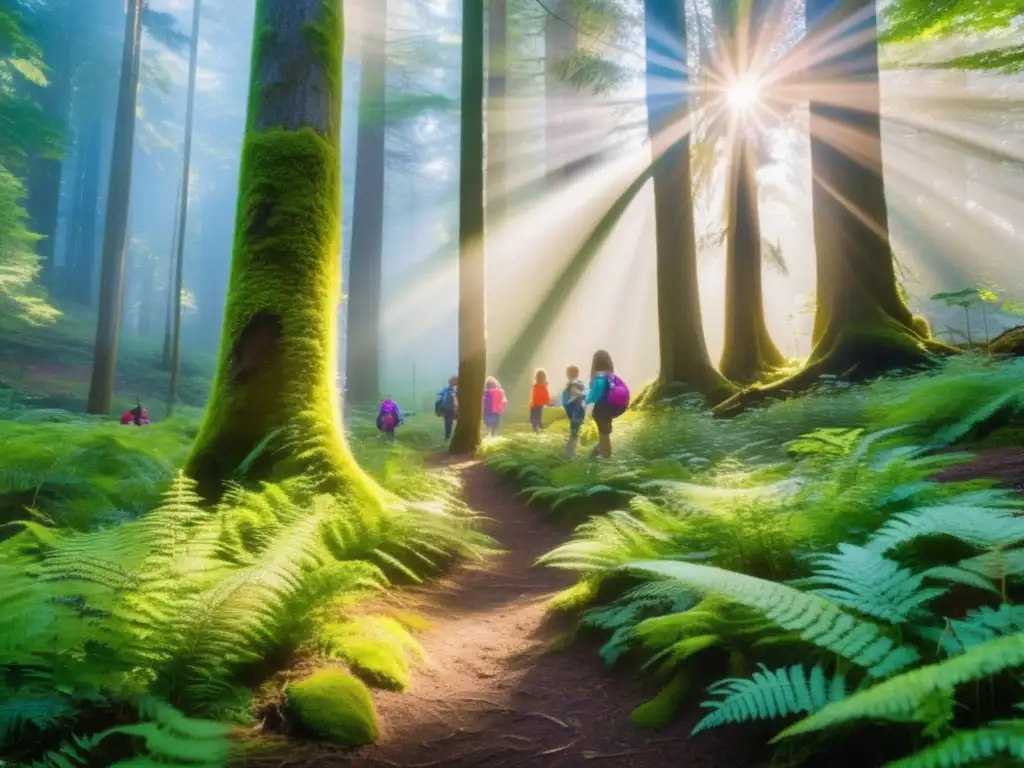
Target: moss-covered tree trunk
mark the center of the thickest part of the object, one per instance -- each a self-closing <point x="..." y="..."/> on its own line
<point x="685" y="363"/>
<point x="472" y="273"/>
<point x="362" y="346"/>
<point x="279" y="342"/>
<point x="108" y="323"/>
<point x="749" y="352"/>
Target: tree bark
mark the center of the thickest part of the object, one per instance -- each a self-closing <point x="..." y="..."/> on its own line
<point x="277" y="367"/>
<point x="186" y="164"/>
<point x="749" y="352"/>
<point x="472" y="271"/>
<point x="685" y="363"/>
<point x="362" y="346"/>
<point x="101" y="389"/>
<point x="84" y="265"/>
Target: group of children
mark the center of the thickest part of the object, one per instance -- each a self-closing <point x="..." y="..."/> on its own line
<point x="606" y="392"/>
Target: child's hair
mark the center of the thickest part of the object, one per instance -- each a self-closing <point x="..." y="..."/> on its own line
<point x="453" y="381"/>
<point x="491" y="383"/>
<point x="540" y="376"/>
<point x="602" y="362"/>
<point x="572" y="372"/>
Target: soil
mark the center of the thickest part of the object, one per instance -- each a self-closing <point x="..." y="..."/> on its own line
<point x="1003" y="464"/>
<point x="495" y="694"/>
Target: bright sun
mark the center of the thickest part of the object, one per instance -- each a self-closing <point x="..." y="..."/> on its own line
<point x="744" y="92"/>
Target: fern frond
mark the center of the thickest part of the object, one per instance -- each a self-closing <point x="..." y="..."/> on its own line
<point x="771" y="694"/>
<point x="982" y="527"/>
<point x="908" y="696"/>
<point x="819" y="621"/>
<point x="970" y="747"/>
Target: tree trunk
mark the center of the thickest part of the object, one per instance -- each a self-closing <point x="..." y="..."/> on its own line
<point x="101" y="389"/>
<point x="43" y="187"/>
<point x="73" y="239"/>
<point x="179" y="256"/>
<point x="559" y="45"/>
<point x="170" y="301"/>
<point x="472" y="272"/>
<point x="685" y="363"/>
<point x="147" y="276"/>
<point x="862" y="327"/>
<point x="84" y="265"/>
<point x="362" y="342"/>
<point x="497" y="112"/>
<point x="277" y="368"/>
<point x="749" y="352"/>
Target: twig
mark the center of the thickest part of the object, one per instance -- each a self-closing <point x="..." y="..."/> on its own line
<point x="562" y="748"/>
<point x="551" y="718"/>
<point x="606" y="755"/>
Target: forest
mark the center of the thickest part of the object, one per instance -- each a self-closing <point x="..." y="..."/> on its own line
<point x="511" y="383"/>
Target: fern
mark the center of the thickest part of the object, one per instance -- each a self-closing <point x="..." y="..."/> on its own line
<point x="868" y="583"/>
<point x="970" y="747"/>
<point x="915" y="695"/>
<point x="979" y="526"/>
<point x="819" y="621"/>
<point x="771" y="694"/>
<point x="979" y="625"/>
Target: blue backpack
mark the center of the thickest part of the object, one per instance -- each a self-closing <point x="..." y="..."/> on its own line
<point x="445" y="402"/>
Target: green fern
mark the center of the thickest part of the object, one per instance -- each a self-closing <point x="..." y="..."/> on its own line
<point x="970" y="747"/>
<point x="978" y="626"/>
<point x="819" y="621"/>
<point x="921" y="694"/>
<point x="980" y="526"/>
<point x="770" y="694"/>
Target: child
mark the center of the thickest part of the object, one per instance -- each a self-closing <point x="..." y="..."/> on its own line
<point x="138" y="416"/>
<point x="540" y="398"/>
<point x="447" y="406"/>
<point x="389" y="418"/>
<point x="610" y="398"/>
<point x="494" y="404"/>
<point x="572" y="400"/>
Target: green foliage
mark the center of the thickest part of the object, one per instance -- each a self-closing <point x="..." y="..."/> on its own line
<point x="335" y="706"/>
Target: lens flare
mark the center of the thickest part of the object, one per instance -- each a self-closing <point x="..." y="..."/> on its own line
<point x="744" y="93"/>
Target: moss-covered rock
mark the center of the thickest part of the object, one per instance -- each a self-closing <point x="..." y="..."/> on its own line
<point x="333" y="705"/>
<point x="376" y="648"/>
<point x="1009" y="342"/>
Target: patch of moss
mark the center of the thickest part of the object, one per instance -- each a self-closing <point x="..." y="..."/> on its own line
<point x="660" y="711"/>
<point x="333" y="705"/>
<point x="376" y="648"/>
<point x="576" y="597"/>
<point x="1009" y="342"/>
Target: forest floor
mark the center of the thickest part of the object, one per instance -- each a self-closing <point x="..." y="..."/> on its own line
<point x="495" y="693"/>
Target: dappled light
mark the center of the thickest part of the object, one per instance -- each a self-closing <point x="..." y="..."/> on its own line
<point x="523" y="383"/>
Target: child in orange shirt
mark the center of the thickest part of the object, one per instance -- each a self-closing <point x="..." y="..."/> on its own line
<point x="540" y="398"/>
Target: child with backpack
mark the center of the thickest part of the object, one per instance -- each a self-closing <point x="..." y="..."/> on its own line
<point x="573" y="397"/>
<point x="389" y="418"/>
<point x="540" y="398"/>
<point x="494" y="404"/>
<point x="447" y="406"/>
<point x="610" y="397"/>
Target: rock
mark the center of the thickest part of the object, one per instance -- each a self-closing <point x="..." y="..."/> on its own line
<point x="333" y="705"/>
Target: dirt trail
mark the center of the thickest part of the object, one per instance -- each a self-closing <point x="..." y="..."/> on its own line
<point x="494" y="695"/>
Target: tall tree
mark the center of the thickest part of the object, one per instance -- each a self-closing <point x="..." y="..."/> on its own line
<point x="362" y="347"/>
<point x="560" y="40"/>
<point x="684" y="359"/>
<point x="278" y="353"/>
<point x="748" y="352"/>
<point x="862" y="327"/>
<point x="472" y="272"/>
<point x="101" y="388"/>
<point x="186" y="163"/>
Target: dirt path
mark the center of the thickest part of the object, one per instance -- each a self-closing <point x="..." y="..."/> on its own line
<point x="494" y="696"/>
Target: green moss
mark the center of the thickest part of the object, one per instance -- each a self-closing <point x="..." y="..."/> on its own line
<point x="335" y="706"/>
<point x="1010" y="342"/>
<point x="576" y="597"/>
<point x="376" y="648"/>
<point x="922" y="327"/>
<point x="661" y="710"/>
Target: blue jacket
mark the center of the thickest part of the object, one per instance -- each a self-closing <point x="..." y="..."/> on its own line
<point x="575" y="408"/>
<point x="598" y="388"/>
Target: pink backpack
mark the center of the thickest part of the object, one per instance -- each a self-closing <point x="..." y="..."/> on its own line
<point x="496" y="400"/>
<point x="617" y="396"/>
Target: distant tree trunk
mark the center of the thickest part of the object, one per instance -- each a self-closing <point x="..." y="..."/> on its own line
<point x="685" y="363"/>
<point x="497" y="111"/>
<point x="147" y="276"/>
<point x="73" y="239"/>
<point x="749" y="352"/>
<point x="170" y="302"/>
<point x="472" y="272"/>
<point x="179" y="256"/>
<point x="43" y="198"/>
<point x="278" y="353"/>
<point x="362" y="343"/>
<point x="559" y="45"/>
<point x="101" y="389"/>
<point x="84" y="264"/>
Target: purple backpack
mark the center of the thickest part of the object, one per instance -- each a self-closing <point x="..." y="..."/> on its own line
<point x="387" y="419"/>
<point x="617" y="396"/>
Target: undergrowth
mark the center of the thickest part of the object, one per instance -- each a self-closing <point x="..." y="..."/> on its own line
<point x="808" y="551"/>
